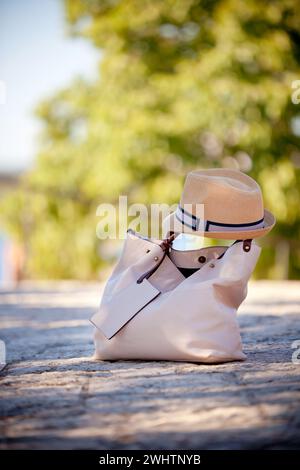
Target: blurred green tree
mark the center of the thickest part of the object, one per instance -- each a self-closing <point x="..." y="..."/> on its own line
<point x="182" y="84"/>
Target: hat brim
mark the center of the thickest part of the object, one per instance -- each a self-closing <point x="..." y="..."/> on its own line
<point x="172" y="224"/>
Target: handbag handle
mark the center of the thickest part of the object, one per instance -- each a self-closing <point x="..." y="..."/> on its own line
<point x="165" y="246"/>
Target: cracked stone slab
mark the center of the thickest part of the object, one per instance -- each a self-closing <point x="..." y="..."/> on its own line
<point x="53" y="395"/>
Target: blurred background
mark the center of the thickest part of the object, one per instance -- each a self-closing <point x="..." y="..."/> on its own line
<point x="106" y="97"/>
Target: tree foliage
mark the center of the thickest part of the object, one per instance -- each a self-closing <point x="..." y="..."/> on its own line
<point x="182" y="84"/>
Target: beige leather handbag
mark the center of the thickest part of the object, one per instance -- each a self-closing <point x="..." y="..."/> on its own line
<point x="164" y="304"/>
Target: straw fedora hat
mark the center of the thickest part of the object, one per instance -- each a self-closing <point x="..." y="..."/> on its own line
<point x="220" y="203"/>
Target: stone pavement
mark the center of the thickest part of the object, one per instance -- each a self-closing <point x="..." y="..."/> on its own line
<point x="53" y="395"/>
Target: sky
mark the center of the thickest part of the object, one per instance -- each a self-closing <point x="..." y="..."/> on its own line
<point x="36" y="58"/>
